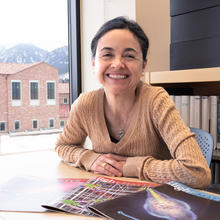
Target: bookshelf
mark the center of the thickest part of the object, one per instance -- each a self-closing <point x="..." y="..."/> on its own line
<point x="201" y="82"/>
<point x="205" y="81"/>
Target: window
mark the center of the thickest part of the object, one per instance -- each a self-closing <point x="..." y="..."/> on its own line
<point x="16" y="93"/>
<point x="50" y="90"/>
<point x="62" y="124"/>
<point x="17" y="125"/>
<point x="51" y="93"/>
<point x="16" y="90"/>
<point x="65" y="101"/>
<point x="34" y="91"/>
<point x="2" y="126"/>
<point x="51" y="123"/>
<point x="34" y="96"/>
<point x="34" y="124"/>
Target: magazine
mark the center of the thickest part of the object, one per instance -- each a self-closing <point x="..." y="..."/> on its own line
<point x="28" y="193"/>
<point x="98" y="189"/>
<point x="173" y="201"/>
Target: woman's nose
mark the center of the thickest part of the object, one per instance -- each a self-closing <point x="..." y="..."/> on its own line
<point x="117" y="63"/>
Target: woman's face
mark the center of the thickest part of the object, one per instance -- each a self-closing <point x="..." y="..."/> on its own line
<point x="118" y="63"/>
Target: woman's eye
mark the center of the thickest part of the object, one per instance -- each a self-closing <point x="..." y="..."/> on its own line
<point x="107" y="55"/>
<point x="130" y="56"/>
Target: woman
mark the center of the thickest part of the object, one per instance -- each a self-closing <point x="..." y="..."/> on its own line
<point x="135" y="128"/>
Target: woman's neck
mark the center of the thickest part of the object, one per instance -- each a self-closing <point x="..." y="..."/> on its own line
<point x="119" y="105"/>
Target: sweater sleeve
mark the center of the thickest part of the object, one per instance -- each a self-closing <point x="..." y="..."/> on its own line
<point x="188" y="165"/>
<point x="69" y="145"/>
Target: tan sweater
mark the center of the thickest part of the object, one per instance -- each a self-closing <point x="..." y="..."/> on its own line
<point x="158" y="145"/>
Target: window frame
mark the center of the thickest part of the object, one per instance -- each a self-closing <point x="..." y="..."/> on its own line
<point x="51" y="101"/>
<point x="34" y="101"/>
<point x="53" y="123"/>
<point x="65" y="101"/>
<point x="16" y="102"/>
<point x="74" y="49"/>
<point x="62" y="121"/>
<point x="3" y="122"/>
<point x="19" y="123"/>
<point x="34" y="120"/>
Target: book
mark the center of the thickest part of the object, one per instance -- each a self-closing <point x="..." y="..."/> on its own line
<point x="185" y="109"/>
<point x="98" y="189"/>
<point x="168" y="201"/>
<point x="213" y="118"/>
<point x="218" y="123"/>
<point x="205" y="113"/>
<point x="28" y="193"/>
<point x="195" y="112"/>
<point x="177" y="101"/>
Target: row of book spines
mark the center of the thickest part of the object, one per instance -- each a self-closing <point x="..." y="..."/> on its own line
<point x="200" y="112"/>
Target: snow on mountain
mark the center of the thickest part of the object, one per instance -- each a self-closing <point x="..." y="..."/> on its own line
<point x="28" y="53"/>
<point x="59" y="59"/>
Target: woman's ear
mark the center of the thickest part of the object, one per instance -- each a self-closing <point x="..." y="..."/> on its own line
<point x="93" y="61"/>
<point x="144" y="64"/>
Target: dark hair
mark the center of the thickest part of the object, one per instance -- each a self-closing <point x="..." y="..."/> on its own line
<point x="122" y="23"/>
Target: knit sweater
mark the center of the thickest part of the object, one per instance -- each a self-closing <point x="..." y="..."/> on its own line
<point x="159" y="146"/>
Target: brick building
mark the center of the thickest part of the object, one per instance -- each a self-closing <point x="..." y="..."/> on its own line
<point x="29" y="99"/>
<point x="63" y="91"/>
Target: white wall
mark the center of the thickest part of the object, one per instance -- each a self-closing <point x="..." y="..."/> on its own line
<point x="93" y="14"/>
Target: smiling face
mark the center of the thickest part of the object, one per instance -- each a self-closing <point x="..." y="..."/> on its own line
<point x="118" y="62"/>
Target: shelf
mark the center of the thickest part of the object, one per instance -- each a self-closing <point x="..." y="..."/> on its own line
<point x="186" y="76"/>
<point x="204" y="81"/>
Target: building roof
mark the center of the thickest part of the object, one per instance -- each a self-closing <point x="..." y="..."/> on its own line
<point x="12" y="68"/>
<point x="63" y="88"/>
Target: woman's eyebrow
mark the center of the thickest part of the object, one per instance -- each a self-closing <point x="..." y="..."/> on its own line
<point x="125" y="50"/>
<point x="106" y="48"/>
<point x="130" y="49"/>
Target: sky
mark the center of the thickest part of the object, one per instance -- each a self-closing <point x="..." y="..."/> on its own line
<point x="42" y="23"/>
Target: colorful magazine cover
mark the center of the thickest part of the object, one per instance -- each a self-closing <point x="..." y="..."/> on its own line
<point x="173" y="201"/>
<point x="98" y="189"/>
<point x="28" y="193"/>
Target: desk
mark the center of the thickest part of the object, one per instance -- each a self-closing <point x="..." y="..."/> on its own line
<point x="40" y="164"/>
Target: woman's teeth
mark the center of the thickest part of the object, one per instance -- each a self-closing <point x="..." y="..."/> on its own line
<point x="117" y="76"/>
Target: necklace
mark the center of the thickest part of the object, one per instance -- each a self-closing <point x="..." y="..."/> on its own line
<point x="121" y="133"/>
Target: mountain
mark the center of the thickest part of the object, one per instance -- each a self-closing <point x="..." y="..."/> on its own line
<point x="28" y="53"/>
<point x="59" y="59"/>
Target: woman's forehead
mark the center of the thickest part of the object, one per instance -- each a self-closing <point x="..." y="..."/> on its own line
<point x="118" y="38"/>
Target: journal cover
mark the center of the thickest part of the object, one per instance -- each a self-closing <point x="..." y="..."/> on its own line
<point x="28" y="193"/>
<point x="98" y="189"/>
<point x="171" y="201"/>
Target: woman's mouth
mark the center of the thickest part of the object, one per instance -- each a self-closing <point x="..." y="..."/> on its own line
<point x="118" y="76"/>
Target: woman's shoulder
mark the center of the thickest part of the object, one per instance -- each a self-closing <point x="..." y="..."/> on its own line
<point x="86" y="99"/>
<point x="151" y="91"/>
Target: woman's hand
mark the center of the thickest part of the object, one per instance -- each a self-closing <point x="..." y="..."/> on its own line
<point x="109" y="164"/>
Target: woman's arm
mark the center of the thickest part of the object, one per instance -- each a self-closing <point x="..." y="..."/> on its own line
<point x="69" y="145"/>
<point x="187" y="165"/>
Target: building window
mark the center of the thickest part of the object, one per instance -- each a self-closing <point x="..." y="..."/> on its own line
<point x="50" y="90"/>
<point x="16" y="90"/>
<point x="34" y="90"/>
<point x="34" y="124"/>
<point x="16" y="93"/>
<point x="17" y="125"/>
<point x="51" y="123"/>
<point x="34" y="94"/>
<point x="65" y="101"/>
<point x="62" y="124"/>
<point x="51" y="93"/>
<point x="2" y="126"/>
